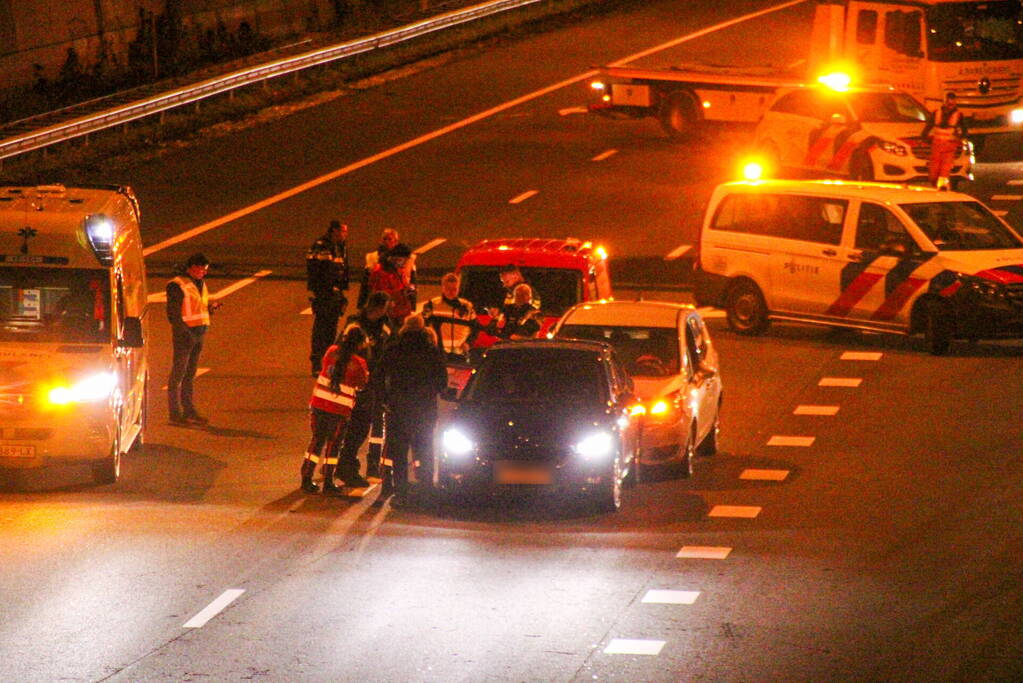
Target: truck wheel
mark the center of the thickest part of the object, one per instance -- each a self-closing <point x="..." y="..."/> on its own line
<point x="107" y="471"/>
<point x="938" y="329"/>
<point x="678" y="115"/>
<point x="746" y="309"/>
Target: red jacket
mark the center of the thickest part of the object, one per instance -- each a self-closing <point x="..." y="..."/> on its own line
<point x="396" y="284"/>
<point x="356" y="377"/>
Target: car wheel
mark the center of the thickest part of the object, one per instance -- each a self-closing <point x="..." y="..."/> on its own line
<point x="678" y="115"/>
<point x="746" y="309"/>
<point x="107" y="471"/>
<point x="710" y="442"/>
<point x="938" y="329"/>
<point x="609" y="496"/>
<point x="861" y="168"/>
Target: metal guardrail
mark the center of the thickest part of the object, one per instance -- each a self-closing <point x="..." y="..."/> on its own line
<point x="68" y="130"/>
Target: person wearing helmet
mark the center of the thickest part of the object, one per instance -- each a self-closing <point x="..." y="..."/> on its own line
<point x="946" y="128"/>
<point x="391" y="276"/>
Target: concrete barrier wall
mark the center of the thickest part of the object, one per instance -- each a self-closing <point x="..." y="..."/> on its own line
<point x="35" y="35"/>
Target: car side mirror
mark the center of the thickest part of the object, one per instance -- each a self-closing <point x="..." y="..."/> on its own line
<point x="839" y="119"/>
<point x="131" y="334"/>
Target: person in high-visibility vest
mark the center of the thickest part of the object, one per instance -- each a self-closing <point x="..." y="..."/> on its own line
<point x="947" y="129"/>
<point x="188" y="310"/>
<point x="452" y="318"/>
<point x="342" y="373"/>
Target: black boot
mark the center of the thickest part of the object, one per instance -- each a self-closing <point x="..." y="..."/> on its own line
<point x="308" y="468"/>
<point x="329" y="487"/>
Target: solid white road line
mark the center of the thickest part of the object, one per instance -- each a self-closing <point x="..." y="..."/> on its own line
<point x="839" y="382"/>
<point x="214" y="608"/>
<point x="815" y="410"/>
<point x="231" y="289"/>
<point x="523" y="197"/>
<point x="572" y="110"/>
<point x="625" y="646"/>
<point x="429" y="245"/>
<point x="678" y="251"/>
<point x="791" y="441"/>
<point x="861" y="355"/>
<point x="743" y="511"/>
<point x="764" y="475"/>
<point x="711" y="312"/>
<point x="667" y="597"/>
<point x="703" y="552"/>
<point x="605" y="155"/>
<point x="1006" y="197"/>
<point x="199" y="372"/>
<point x="362" y="163"/>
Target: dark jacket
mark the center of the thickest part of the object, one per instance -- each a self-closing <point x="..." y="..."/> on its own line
<point x="412" y="373"/>
<point x="326" y="266"/>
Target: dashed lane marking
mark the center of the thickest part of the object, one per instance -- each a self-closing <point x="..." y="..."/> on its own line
<point x="430" y="245"/>
<point x="703" y="552"/>
<point x="1000" y="213"/>
<point x="1015" y="182"/>
<point x="710" y="312"/>
<point x="214" y="608"/>
<point x="605" y="155"/>
<point x="199" y="372"/>
<point x="669" y="597"/>
<point x="742" y="511"/>
<point x="1006" y="197"/>
<point x="626" y="646"/>
<point x="815" y="410"/>
<point x="803" y="441"/>
<point x="523" y="197"/>
<point x="572" y="110"/>
<point x="677" y="252"/>
<point x="861" y="355"/>
<point x="764" y="475"/>
<point x="840" y="382"/>
<point x="307" y="311"/>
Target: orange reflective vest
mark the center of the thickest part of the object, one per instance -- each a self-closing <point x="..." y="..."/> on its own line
<point x="195" y="307"/>
<point x="356" y="377"/>
<point x="947" y="129"/>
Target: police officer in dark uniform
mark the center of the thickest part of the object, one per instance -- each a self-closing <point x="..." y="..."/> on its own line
<point x="367" y="417"/>
<point x="327" y="280"/>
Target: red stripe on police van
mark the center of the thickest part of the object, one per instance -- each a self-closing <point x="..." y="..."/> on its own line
<point x="815" y="150"/>
<point x="842" y="155"/>
<point x="852" y="294"/>
<point x="897" y="299"/>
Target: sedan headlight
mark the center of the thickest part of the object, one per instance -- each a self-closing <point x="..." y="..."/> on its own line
<point x="893" y="148"/>
<point x="89" y="390"/>
<point x="597" y="445"/>
<point x="987" y="289"/>
<point x="456" y="443"/>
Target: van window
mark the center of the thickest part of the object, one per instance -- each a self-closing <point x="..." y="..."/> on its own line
<point x="866" y="27"/>
<point x="54" y="305"/>
<point x="877" y="226"/>
<point x="902" y="32"/>
<point x="800" y="103"/>
<point x="962" y="226"/>
<point x="811" y="219"/>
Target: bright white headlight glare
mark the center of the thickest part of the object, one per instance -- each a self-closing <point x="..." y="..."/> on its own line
<point x="93" y="388"/>
<point x="457" y="443"/>
<point x="1016" y="116"/>
<point x="597" y="445"/>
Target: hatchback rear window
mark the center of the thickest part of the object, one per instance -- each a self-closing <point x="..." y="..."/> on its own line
<point x="539" y="375"/>
<point x="644" y="351"/>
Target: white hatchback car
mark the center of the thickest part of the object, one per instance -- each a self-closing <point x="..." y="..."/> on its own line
<point x="864" y="133"/>
<point x="667" y="350"/>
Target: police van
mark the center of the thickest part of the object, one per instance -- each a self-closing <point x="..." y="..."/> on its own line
<point x="73" y="368"/>
<point x="872" y="256"/>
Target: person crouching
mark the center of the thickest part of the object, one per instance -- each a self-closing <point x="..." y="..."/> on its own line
<point x="342" y="373"/>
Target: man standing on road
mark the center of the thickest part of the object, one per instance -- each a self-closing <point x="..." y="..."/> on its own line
<point x="188" y="310"/>
<point x="391" y="277"/>
<point x="947" y="130"/>
<point x="452" y="318"/>
<point x="388" y="240"/>
<point x="327" y="280"/>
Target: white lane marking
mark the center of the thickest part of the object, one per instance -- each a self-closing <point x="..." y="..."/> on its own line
<point x="605" y="155"/>
<point x="678" y="251"/>
<point x="796" y="63"/>
<point x="231" y="289"/>
<point x="1015" y="182"/>
<point x="572" y="110"/>
<point x="625" y="646"/>
<point x="815" y="410"/>
<point x="307" y="311"/>
<point x="667" y="597"/>
<point x="791" y="441"/>
<point x="743" y="511"/>
<point x="1000" y="213"/>
<point x="430" y="245"/>
<point x="214" y="608"/>
<point x="704" y="552"/>
<point x="362" y="163"/>
<point x="711" y="312"/>
<point x="861" y="355"/>
<point x="523" y="197"/>
<point x="839" y="382"/>
<point x="199" y="372"/>
<point x="764" y="475"/>
<point x="1006" y="197"/>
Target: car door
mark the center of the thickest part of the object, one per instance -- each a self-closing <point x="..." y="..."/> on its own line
<point x="792" y="119"/>
<point x="705" y="385"/>
<point x="624" y="397"/>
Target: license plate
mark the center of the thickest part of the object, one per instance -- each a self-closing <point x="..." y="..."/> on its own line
<point x="515" y="473"/>
<point x="13" y="451"/>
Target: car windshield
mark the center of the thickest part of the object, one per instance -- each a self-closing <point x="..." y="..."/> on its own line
<point x="962" y="226"/>
<point x="56" y="305"/>
<point x="975" y="31"/>
<point x="542" y="375"/>
<point x="886" y="107"/>
<point x="558" y="288"/>
<point x="644" y="351"/>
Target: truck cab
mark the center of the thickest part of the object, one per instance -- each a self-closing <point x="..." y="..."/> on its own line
<point x="73" y="364"/>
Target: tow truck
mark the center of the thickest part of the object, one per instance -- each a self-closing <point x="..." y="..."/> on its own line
<point x="924" y="47"/>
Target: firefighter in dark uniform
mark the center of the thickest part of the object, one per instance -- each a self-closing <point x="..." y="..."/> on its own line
<point x="368" y="413"/>
<point x="327" y="280"/>
<point x="518" y="320"/>
<point x="946" y="128"/>
<point x="188" y="310"/>
<point x="453" y="319"/>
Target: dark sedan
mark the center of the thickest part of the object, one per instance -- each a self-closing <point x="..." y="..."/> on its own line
<point x="550" y="415"/>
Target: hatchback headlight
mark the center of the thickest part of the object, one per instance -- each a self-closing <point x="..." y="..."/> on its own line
<point x="893" y="148"/>
<point x="987" y="289"/>
<point x="89" y="390"/>
<point x="456" y="443"/>
<point x="597" y="445"/>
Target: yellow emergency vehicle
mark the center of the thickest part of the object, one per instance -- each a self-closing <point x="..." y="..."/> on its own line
<point x="73" y="367"/>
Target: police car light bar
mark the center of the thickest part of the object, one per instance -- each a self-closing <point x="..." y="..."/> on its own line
<point x="837" y="81"/>
<point x="100" y="231"/>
